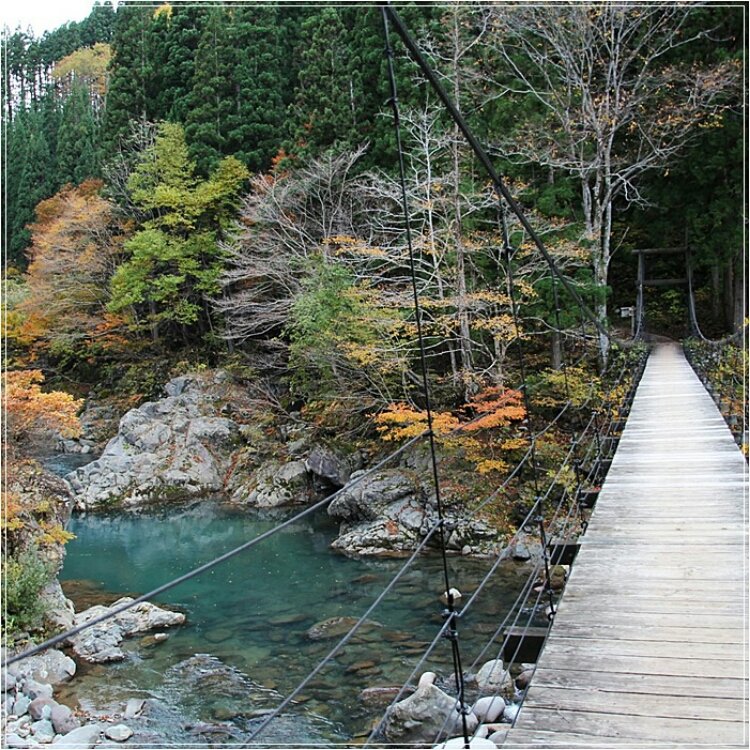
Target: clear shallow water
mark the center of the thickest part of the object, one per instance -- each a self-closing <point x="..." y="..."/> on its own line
<point x="252" y="613"/>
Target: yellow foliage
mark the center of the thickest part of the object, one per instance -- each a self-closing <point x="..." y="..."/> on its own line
<point x="401" y="422"/>
<point x="29" y="409"/>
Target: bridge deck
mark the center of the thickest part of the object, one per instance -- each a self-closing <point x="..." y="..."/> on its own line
<point x="649" y="644"/>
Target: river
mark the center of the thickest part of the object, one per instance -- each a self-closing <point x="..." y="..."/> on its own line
<point x="252" y="613"/>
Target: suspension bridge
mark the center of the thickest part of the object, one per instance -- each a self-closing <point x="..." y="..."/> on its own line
<point x="648" y="644"/>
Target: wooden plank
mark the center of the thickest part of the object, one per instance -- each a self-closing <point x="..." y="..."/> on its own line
<point x="735" y="669"/>
<point x="652" y="632"/>
<point x="667" y="619"/>
<point x="528" y="738"/>
<point x="710" y="733"/>
<point x="637" y="704"/>
<point x="623" y="682"/>
<point x="688" y="650"/>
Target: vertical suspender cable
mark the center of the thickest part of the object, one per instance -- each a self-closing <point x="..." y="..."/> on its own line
<point x="451" y="631"/>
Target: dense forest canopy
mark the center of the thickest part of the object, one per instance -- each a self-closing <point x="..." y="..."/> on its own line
<point x="223" y="175"/>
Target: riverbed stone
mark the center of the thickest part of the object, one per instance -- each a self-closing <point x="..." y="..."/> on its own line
<point x="13" y="741"/>
<point x="34" y="689"/>
<point x="524" y="679"/>
<point x="418" y="718"/>
<point x="7" y="681"/>
<point x="511" y="711"/>
<point x="21" y="705"/>
<point x="494" y="678"/>
<point x="134" y="707"/>
<point x="489" y="708"/>
<point x="119" y="732"/>
<point x="51" y="667"/>
<point x="63" y="720"/>
<point x="336" y="627"/>
<point x="43" y="731"/>
<point x="101" y="643"/>
<point x="41" y="708"/>
<point x="83" y="737"/>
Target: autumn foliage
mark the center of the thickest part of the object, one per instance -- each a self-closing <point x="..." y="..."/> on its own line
<point x="76" y="244"/>
<point x="30" y="410"/>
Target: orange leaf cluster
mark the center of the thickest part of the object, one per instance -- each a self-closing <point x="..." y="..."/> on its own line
<point x="500" y="406"/>
<point x="400" y="422"/>
<point x="28" y="409"/>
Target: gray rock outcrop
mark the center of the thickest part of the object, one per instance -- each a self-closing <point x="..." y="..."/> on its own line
<point x="177" y="446"/>
<point x="101" y="643"/>
<point x="389" y="513"/>
<point x="277" y="485"/>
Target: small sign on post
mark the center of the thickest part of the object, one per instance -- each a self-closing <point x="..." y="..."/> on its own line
<point x="629" y="312"/>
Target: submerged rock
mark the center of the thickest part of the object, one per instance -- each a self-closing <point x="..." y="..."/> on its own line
<point x="337" y="627"/>
<point x="118" y="733"/>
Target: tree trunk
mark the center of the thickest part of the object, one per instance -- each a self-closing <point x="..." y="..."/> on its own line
<point x="557" y="355"/>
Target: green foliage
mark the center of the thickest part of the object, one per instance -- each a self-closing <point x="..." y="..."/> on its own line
<point x="24" y="577"/>
<point x="174" y="260"/>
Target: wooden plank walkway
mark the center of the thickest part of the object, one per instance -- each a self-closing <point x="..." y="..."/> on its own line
<point x="649" y="643"/>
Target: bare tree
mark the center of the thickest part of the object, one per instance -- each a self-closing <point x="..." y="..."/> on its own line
<point x="614" y="104"/>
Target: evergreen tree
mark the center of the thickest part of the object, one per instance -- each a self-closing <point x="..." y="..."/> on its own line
<point x="76" y="141"/>
<point x="35" y="181"/>
<point x="210" y="100"/>
<point x="127" y="97"/>
<point x="184" y="33"/>
<point x="254" y="123"/>
<point x="324" y="109"/>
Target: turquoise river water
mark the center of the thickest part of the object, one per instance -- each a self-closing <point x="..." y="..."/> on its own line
<point x="252" y="613"/>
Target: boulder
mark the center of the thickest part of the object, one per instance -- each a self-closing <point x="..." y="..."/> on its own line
<point x="379" y="697"/>
<point x="498" y="737"/>
<point x="43" y="731"/>
<point x="328" y="466"/>
<point x="523" y="680"/>
<point x="511" y="711"/>
<point x="12" y="740"/>
<point x="419" y="718"/>
<point x="84" y="737"/>
<point x="288" y="484"/>
<point x="41" y="708"/>
<point x="178" y="446"/>
<point x="490" y="708"/>
<point x="51" y="667"/>
<point x="494" y="678"/>
<point x="7" y="681"/>
<point x="34" y="689"/>
<point x="63" y="720"/>
<point x="21" y="705"/>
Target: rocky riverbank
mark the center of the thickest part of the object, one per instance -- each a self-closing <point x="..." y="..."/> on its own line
<point x="201" y="439"/>
<point x="32" y="717"/>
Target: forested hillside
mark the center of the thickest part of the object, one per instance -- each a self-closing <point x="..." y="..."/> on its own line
<point x="645" y="154"/>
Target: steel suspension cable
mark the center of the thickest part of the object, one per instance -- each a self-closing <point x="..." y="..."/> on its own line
<point x="451" y="631"/>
